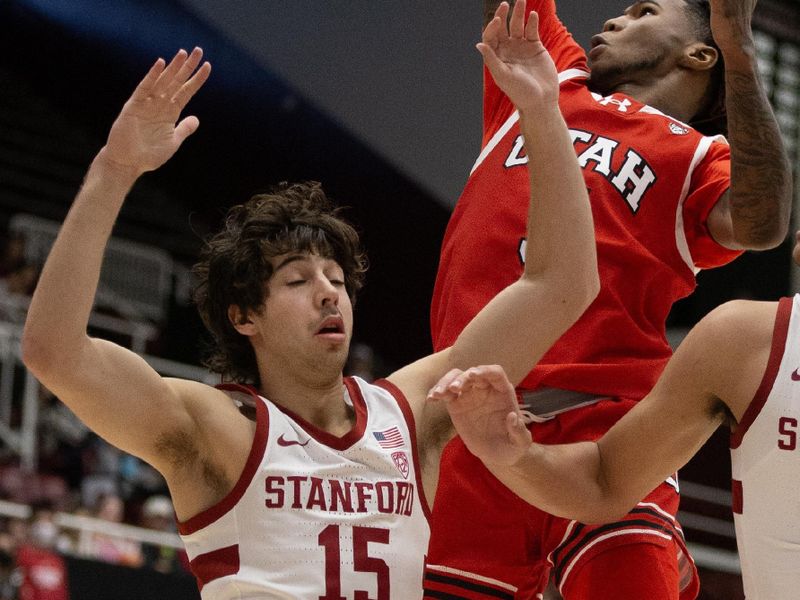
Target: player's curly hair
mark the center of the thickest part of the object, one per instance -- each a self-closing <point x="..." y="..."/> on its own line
<point x="712" y="118"/>
<point x="234" y="265"/>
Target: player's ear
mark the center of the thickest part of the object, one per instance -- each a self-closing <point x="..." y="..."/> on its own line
<point x="241" y="321"/>
<point x="699" y="56"/>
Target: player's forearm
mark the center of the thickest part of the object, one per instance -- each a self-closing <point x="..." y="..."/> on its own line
<point x="761" y="180"/>
<point x="565" y="480"/>
<point x="59" y="312"/>
<point x="560" y="248"/>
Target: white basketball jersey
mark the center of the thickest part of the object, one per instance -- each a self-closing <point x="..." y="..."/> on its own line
<point x="315" y="516"/>
<point x="766" y="469"/>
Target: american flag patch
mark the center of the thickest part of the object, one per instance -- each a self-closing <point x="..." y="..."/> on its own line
<point x="389" y="438"/>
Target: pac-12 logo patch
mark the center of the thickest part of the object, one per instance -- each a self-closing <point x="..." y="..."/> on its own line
<point x="401" y="462"/>
<point x="678" y="129"/>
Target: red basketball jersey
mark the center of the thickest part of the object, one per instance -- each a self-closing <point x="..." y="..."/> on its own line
<point x="652" y="182"/>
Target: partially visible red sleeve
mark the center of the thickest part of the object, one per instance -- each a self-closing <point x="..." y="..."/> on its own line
<point x="710" y="180"/>
<point x="566" y="53"/>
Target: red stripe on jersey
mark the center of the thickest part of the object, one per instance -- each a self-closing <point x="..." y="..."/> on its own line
<point x="208" y="516"/>
<point x="323" y="437"/>
<point x="642" y="523"/>
<point x="737" y="501"/>
<point x="215" y="564"/>
<point x="453" y="584"/>
<point x="779" y="333"/>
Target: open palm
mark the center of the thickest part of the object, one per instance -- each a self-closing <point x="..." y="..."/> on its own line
<point x="147" y="132"/>
<point x="517" y="59"/>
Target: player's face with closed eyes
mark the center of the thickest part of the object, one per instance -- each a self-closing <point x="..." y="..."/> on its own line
<point x="307" y="317"/>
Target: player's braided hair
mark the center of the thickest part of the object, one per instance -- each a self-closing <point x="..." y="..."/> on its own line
<point x="712" y="118"/>
<point x="235" y="266"/>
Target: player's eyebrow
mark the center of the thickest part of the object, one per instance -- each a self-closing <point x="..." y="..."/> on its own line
<point x="638" y="2"/>
<point x="290" y="259"/>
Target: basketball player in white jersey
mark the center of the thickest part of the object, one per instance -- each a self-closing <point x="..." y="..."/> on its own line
<point x="321" y="493"/>
<point x="739" y="365"/>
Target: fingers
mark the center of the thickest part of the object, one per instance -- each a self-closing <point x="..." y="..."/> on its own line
<point x="482" y="377"/>
<point x="496" y="30"/>
<point x="517" y="24"/>
<point x="146" y="85"/>
<point x="183" y="73"/>
<point x="186" y="128"/>
<point x="532" y="28"/>
<point x="168" y="74"/>
<point x="190" y="88"/>
<point x="440" y="390"/>
<point x="491" y="60"/>
<point x="176" y="82"/>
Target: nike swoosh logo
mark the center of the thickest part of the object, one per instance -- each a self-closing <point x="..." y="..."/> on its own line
<point x="284" y="442"/>
<point x="796" y="375"/>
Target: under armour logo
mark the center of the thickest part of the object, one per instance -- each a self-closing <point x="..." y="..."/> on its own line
<point x="622" y="105"/>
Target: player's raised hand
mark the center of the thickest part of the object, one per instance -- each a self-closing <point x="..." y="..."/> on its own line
<point x="484" y="410"/>
<point x="517" y="59"/>
<point x="731" y="22"/>
<point x="147" y="131"/>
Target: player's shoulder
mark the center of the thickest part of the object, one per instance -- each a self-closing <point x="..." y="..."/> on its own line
<point x="740" y="317"/>
<point x="210" y="409"/>
<point x="735" y="330"/>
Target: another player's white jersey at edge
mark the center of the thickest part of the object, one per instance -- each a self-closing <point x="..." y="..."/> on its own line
<point x="765" y="452"/>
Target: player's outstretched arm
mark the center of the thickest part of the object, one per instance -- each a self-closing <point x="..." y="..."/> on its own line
<point x="754" y="214"/>
<point x="560" y="277"/>
<point x="111" y="389"/>
<point x="723" y="357"/>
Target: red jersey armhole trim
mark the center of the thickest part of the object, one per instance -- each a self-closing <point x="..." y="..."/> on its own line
<point x="405" y="408"/>
<point x="779" y="334"/>
<point x="215" y="564"/>
<point x="257" y="450"/>
<point x="737" y="497"/>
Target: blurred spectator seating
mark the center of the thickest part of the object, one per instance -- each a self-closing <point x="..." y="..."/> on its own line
<point x="135" y="283"/>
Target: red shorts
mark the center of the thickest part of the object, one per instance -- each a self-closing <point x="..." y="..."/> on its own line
<point x="488" y="543"/>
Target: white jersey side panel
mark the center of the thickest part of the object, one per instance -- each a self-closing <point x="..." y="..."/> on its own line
<point x="316" y="516"/>
<point x="766" y="470"/>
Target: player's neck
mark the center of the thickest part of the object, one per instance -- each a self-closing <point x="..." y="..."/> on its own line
<point x="672" y="94"/>
<point x="319" y="401"/>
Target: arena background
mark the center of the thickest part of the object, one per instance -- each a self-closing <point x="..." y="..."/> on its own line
<point x="378" y="100"/>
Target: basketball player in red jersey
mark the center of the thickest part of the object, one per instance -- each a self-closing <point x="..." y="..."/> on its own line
<point x="739" y="365"/>
<point x="667" y="200"/>
<point x="322" y="495"/>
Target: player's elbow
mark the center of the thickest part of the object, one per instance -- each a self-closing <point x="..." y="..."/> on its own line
<point x="45" y="355"/>
<point x="39" y="354"/>
<point x="579" y="291"/>
<point x="591" y="287"/>
<point x="766" y="230"/>
<point x="767" y="237"/>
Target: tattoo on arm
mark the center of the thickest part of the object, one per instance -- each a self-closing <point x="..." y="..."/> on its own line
<point x="761" y="181"/>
